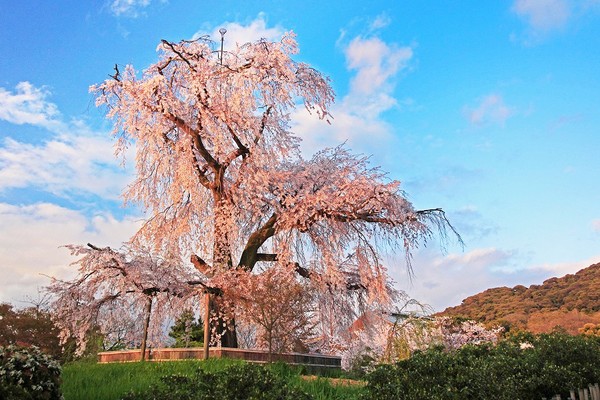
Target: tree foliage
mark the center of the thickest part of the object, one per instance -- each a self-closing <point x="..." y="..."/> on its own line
<point x="380" y="339"/>
<point x="30" y="326"/>
<point x="280" y="307"/>
<point x="524" y="367"/>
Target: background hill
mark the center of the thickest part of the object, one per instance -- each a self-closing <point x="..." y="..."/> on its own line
<point x="569" y="302"/>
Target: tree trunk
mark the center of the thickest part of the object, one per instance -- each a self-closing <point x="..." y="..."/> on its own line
<point x="146" y="324"/>
<point x="222" y="261"/>
<point x="226" y="331"/>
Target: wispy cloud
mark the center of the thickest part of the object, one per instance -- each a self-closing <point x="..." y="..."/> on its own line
<point x="381" y="21"/>
<point x="445" y="280"/>
<point x="543" y="15"/>
<point x="374" y="63"/>
<point x="128" y="8"/>
<point x="596" y="225"/>
<point x="30" y="232"/>
<point x="564" y="268"/>
<point x="28" y="105"/>
<point x="490" y="109"/>
<point x="63" y="166"/>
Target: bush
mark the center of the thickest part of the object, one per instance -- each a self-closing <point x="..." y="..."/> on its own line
<point x="237" y="382"/>
<point x="27" y="373"/>
<point x="522" y="367"/>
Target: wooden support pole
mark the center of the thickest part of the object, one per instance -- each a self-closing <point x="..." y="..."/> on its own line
<point x="206" y="323"/>
<point x="146" y="324"/>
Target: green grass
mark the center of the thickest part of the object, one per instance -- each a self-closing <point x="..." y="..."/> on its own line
<point x="92" y="381"/>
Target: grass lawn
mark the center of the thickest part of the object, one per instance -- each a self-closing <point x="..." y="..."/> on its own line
<point x="91" y="381"/>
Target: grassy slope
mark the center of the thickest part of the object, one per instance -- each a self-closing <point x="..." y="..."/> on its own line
<point x="91" y="381"/>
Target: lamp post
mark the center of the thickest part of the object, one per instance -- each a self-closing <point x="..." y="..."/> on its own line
<point x="222" y="31"/>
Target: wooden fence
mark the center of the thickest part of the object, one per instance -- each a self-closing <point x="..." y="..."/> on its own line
<point x="312" y="360"/>
<point x="590" y="393"/>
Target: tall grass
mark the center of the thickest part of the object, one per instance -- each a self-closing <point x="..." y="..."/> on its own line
<point x="89" y="380"/>
<point x="85" y="380"/>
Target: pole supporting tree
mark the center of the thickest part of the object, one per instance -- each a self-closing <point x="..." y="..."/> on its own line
<point x="206" y="324"/>
<point x="146" y="325"/>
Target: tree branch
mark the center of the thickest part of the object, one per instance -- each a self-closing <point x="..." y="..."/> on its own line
<point x="200" y="264"/>
<point x="249" y="256"/>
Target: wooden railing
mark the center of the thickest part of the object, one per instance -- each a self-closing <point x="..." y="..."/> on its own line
<point x="257" y="356"/>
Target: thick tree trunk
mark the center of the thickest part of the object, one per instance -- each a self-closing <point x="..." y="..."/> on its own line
<point x="225" y="329"/>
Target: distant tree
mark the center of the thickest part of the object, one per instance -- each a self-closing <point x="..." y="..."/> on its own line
<point x="123" y="295"/>
<point x="187" y="330"/>
<point x="220" y="174"/>
<point x="30" y="326"/>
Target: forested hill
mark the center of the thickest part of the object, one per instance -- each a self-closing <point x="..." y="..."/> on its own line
<point x="570" y="302"/>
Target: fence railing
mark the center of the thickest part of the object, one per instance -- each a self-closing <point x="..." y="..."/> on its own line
<point x="257" y="356"/>
<point x="590" y="393"/>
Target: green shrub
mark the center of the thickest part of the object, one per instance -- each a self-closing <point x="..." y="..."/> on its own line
<point x="237" y="382"/>
<point x="522" y="367"/>
<point x="27" y="373"/>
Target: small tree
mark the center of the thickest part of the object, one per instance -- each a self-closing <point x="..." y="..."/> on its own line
<point x="280" y="307"/>
<point x="187" y="330"/>
<point x="124" y="295"/>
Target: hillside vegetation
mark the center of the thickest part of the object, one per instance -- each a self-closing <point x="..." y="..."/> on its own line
<point x="569" y="302"/>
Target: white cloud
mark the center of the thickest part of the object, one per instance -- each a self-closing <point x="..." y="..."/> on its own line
<point x="63" y="165"/>
<point x="596" y="225"/>
<point x="74" y="160"/>
<point x="128" y="8"/>
<point x="357" y="118"/>
<point x="30" y="241"/>
<point x="240" y="34"/>
<point x="445" y="280"/>
<point x="543" y="15"/>
<point x="375" y="62"/>
<point x="564" y="268"/>
<point x="490" y="109"/>
<point x="28" y="105"/>
<point x="381" y="21"/>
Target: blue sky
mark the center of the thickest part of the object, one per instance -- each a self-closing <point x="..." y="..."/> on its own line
<point x="490" y="112"/>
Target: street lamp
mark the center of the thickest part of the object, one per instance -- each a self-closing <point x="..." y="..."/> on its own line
<point x="222" y="31"/>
